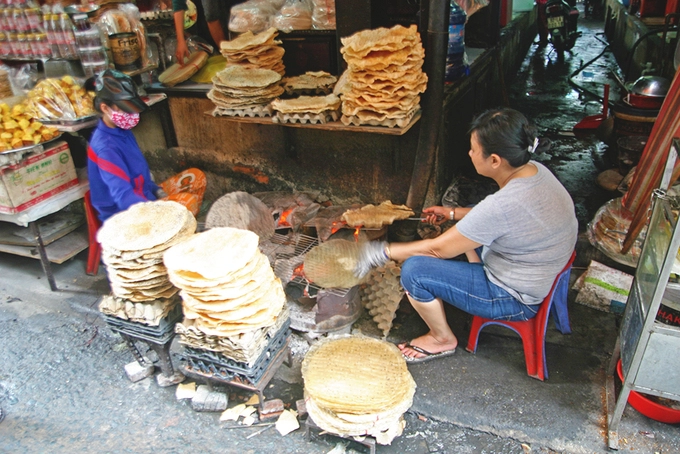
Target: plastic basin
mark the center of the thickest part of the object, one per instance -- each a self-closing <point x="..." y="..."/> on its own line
<point x="648" y="407"/>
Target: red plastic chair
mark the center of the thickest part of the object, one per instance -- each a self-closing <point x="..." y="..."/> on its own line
<point x="533" y="330"/>
<point x="93" y="224"/>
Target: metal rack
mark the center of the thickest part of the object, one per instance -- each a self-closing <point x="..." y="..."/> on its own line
<point x="644" y="344"/>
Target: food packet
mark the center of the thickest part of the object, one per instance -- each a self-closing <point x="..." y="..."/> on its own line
<point x="293" y="15"/>
<point x="607" y="232"/>
<point x="60" y="99"/>
<point x="323" y="15"/>
<point x="253" y="15"/>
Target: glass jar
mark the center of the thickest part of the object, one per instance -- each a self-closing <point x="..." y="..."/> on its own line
<point x="31" y="48"/>
<point x="22" y="46"/>
<point x="43" y="45"/>
<point x="34" y="18"/>
<point x="5" y="48"/>
<point x="15" y="52"/>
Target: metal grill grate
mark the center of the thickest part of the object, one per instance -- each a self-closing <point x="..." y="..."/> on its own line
<point x="285" y="262"/>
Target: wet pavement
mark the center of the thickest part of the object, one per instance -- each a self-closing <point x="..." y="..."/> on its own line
<point x="63" y="387"/>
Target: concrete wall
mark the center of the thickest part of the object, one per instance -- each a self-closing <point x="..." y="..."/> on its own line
<point x="623" y="30"/>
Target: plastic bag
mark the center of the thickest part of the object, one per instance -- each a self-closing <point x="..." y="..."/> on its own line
<point x="60" y="99"/>
<point x="253" y="15"/>
<point x="23" y="77"/>
<point x="294" y="15"/>
<point x="124" y="20"/>
<point x="607" y="232"/>
<point x="323" y="15"/>
<point x="472" y="6"/>
<point x="205" y="75"/>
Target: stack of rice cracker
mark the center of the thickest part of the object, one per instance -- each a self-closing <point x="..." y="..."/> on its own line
<point x="239" y="91"/>
<point x="230" y="295"/>
<point x="133" y="243"/>
<point x="251" y="51"/>
<point x="356" y="386"/>
<point x="384" y="76"/>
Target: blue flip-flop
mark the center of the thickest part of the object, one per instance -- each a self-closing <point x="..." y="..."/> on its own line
<point x="428" y="355"/>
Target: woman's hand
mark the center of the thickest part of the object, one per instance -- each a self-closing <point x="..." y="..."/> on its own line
<point x="182" y="51"/>
<point x="436" y="214"/>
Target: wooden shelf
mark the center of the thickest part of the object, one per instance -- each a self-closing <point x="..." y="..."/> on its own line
<point x="332" y="126"/>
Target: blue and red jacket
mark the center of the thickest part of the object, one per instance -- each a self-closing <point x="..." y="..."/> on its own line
<point x="118" y="172"/>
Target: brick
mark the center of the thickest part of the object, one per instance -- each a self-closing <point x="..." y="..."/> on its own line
<point x="137" y="372"/>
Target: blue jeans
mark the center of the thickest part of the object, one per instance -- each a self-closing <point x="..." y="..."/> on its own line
<point x="463" y="285"/>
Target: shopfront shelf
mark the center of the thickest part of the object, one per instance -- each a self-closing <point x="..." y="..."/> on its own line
<point x="331" y="126"/>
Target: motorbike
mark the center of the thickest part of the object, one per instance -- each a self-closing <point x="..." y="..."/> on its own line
<point x="562" y="19"/>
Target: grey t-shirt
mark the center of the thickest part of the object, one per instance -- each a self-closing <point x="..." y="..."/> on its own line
<point x="528" y="230"/>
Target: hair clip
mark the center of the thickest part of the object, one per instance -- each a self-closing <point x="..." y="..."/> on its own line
<point x="532" y="148"/>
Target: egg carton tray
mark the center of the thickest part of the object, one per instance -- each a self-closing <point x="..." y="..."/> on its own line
<point x="164" y="331"/>
<point x="273" y="346"/>
<point x="211" y="369"/>
<point x="256" y="111"/>
<point x="321" y="118"/>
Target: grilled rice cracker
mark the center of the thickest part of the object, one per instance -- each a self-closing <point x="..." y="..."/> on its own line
<point x="239" y="77"/>
<point x="357" y="375"/>
<point x="307" y="104"/>
<point x="143" y="226"/>
<point x="372" y="216"/>
<point x="309" y="81"/>
<point x="214" y="253"/>
<point x="367" y="40"/>
<point x="399" y="107"/>
<point x="248" y="40"/>
<point x="191" y="280"/>
<point x="263" y="56"/>
<point x="383" y="61"/>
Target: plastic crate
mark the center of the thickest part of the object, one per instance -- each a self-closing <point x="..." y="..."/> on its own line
<point x="272" y="347"/>
<point x="212" y="370"/>
<point x="157" y="334"/>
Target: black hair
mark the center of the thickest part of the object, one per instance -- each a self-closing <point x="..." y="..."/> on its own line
<point x="506" y="133"/>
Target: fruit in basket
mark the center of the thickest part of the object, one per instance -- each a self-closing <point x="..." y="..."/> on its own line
<point x="19" y="128"/>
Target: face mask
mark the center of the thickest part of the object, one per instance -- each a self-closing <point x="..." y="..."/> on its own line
<point x="124" y="120"/>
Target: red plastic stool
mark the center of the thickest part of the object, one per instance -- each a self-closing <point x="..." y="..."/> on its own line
<point x="93" y="225"/>
<point x="533" y="330"/>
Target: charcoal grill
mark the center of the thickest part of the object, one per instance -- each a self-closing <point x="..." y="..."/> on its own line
<point x="158" y="338"/>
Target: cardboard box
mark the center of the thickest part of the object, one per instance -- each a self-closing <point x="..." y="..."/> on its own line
<point x="36" y="178"/>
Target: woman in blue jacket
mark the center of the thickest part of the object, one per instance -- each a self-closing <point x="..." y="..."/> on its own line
<point x="117" y="170"/>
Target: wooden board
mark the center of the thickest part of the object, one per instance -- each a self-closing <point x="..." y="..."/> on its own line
<point x="332" y="126"/>
<point x="51" y="227"/>
<point x="58" y="252"/>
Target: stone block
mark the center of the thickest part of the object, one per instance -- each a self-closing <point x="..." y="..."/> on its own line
<point x="207" y="400"/>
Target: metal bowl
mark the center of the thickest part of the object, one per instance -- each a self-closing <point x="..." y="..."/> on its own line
<point x="654" y="86"/>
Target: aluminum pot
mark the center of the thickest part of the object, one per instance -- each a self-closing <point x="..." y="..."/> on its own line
<point x="652" y="86"/>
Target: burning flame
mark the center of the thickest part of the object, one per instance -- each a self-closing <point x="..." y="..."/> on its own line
<point x="283" y="219"/>
<point x="356" y="234"/>
<point x="299" y="270"/>
<point x="335" y="226"/>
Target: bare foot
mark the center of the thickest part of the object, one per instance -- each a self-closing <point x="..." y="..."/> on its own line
<point x="428" y="343"/>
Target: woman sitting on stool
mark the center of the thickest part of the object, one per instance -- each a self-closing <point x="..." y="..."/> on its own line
<point x="527" y="231"/>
